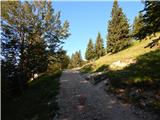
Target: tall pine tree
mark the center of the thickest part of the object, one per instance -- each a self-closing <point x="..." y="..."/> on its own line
<point x="151" y="16"/>
<point x="137" y="26"/>
<point x="99" y="47"/>
<point x="90" y="51"/>
<point x="118" y="30"/>
<point x="151" y="19"/>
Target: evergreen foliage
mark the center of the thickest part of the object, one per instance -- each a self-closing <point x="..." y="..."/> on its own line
<point x="99" y="47"/>
<point x="58" y="62"/>
<point x="137" y="26"/>
<point x="118" y="30"/>
<point x="151" y="17"/>
<point x="76" y="60"/>
<point x="90" y="51"/>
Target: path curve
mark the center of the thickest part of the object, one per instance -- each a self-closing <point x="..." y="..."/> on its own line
<point x="80" y="100"/>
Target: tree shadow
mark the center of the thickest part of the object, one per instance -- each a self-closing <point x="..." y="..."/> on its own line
<point x="144" y="72"/>
<point x="139" y="83"/>
<point x="102" y="68"/>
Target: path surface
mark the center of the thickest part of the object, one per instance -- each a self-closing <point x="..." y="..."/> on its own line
<point x="80" y="100"/>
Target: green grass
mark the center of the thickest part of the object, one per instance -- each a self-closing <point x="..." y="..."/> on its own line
<point x="38" y="102"/>
<point x="145" y="70"/>
<point x="142" y="76"/>
<point x="136" y="49"/>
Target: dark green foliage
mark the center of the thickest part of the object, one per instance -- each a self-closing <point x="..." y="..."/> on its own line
<point x="38" y="101"/>
<point x="137" y="26"/>
<point x="31" y="32"/>
<point x="76" y="60"/>
<point x="95" y="51"/>
<point x="151" y="17"/>
<point x="90" y="51"/>
<point x="118" y="30"/>
<point x="64" y="60"/>
<point x="58" y="61"/>
<point x="99" y="47"/>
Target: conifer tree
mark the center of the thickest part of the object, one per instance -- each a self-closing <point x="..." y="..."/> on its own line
<point x="76" y="60"/>
<point x="151" y="18"/>
<point x="137" y="25"/>
<point x="118" y="30"/>
<point x="99" y="47"/>
<point x="90" y="52"/>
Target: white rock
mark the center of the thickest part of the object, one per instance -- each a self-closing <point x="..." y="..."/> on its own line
<point x="35" y="75"/>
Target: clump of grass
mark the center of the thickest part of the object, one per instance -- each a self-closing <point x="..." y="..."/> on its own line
<point x="37" y="102"/>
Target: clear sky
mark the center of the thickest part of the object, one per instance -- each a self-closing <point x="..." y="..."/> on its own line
<point x="88" y="18"/>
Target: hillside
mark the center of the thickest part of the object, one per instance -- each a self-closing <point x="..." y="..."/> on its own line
<point x="138" y="83"/>
<point x="137" y="49"/>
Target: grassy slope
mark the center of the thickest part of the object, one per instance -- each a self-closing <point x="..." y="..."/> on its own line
<point x="143" y="75"/>
<point x="37" y="102"/>
<point x="133" y="52"/>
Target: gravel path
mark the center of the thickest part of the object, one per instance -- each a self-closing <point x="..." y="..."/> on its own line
<point x="80" y="100"/>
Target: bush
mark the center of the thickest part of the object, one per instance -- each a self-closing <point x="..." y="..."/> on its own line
<point x="87" y="68"/>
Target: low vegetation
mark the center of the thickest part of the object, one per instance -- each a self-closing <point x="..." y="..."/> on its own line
<point x="138" y="83"/>
<point x="137" y="49"/>
<point x="36" y="102"/>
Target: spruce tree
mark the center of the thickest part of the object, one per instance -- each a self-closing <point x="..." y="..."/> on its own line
<point x="89" y="55"/>
<point x="118" y="30"/>
<point x="80" y="60"/>
<point x="137" y="26"/>
<point x="77" y="59"/>
<point x="151" y="18"/>
<point x="99" y="47"/>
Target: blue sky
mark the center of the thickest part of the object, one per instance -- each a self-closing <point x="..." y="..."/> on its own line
<point x="88" y="18"/>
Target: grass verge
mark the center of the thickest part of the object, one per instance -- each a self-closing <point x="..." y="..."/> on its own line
<point x="38" y="102"/>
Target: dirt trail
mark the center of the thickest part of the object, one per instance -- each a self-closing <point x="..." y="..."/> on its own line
<point x="80" y="100"/>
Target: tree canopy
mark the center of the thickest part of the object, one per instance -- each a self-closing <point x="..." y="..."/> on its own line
<point x="76" y="60"/>
<point x="99" y="47"/>
<point x="90" y="51"/>
<point x="118" y="30"/>
<point x="137" y="26"/>
<point x="31" y="32"/>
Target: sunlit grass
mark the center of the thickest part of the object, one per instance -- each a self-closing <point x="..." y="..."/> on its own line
<point x="136" y="49"/>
